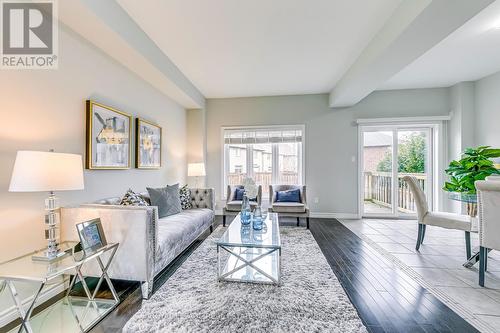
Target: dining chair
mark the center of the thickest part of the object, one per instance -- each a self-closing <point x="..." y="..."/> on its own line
<point x="438" y="219"/>
<point x="488" y="195"/>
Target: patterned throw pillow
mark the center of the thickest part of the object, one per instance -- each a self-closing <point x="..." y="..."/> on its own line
<point x="185" y="195"/>
<point x="133" y="199"/>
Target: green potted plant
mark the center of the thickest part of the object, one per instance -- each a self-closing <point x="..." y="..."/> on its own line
<point x="475" y="164"/>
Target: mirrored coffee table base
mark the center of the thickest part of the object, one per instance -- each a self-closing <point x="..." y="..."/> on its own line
<point x="248" y="255"/>
<point x="254" y="265"/>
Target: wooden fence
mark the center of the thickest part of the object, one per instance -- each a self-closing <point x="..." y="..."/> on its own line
<point x="378" y="187"/>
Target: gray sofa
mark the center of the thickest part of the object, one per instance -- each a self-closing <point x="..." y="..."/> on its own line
<point x="147" y="244"/>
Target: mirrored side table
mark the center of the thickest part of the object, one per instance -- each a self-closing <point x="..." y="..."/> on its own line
<point x="84" y="311"/>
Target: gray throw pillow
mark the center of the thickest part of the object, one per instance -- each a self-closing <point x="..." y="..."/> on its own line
<point x="166" y="199"/>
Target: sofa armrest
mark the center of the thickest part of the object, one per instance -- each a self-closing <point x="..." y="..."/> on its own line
<point x="303" y="195"/>
<point x="203" y="198"/>
<point x="134" y="228"/>
<point x="229" y="193"/>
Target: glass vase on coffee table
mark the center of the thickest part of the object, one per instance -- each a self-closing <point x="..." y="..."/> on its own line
<point x="245" y="210"/>
<point x="257" y="218"/>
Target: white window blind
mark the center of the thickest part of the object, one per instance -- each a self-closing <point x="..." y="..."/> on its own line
<point x="261" y="135"/>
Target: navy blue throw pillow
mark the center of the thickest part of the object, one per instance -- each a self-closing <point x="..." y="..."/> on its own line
<point x="288" y="196"/>
<point x="239" y="194"/>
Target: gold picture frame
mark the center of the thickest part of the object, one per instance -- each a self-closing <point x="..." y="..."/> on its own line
<point x="148" y="144"/>
<point x="108" y="137"/>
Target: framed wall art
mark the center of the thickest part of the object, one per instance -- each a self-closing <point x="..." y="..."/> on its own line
<point x="108" y="136"/>
<point x="148" y="145"/>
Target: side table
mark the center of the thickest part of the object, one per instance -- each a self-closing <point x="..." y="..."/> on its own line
<point x="43" y="273"/>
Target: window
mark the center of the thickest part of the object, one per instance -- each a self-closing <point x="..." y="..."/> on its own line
<point x="269" y="155"/>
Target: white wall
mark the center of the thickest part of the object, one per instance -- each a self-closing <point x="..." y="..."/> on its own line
<point x="43" y="109"/>
<point x="487" y="105"/>
<point x="331" y="135"/>
<point x="196" y="142"/>
<point x="460" y="129"/>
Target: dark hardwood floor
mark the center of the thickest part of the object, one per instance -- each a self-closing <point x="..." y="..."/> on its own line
<point x="386" y="299"/>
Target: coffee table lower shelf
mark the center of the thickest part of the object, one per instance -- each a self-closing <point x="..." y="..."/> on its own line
<point x="249" y="264"/>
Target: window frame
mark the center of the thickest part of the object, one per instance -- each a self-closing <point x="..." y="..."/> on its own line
<point x="249" y="151"/>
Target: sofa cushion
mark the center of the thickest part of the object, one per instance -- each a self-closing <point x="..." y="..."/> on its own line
<point x="289" y="207"/>
<point x="145" y="196"/>
<point x="108" y="201"/>
<point x="176" y="232"/>
<point x="132" y="199"/>
<point x="166" y="199"/>
<point x="235" y="205"/>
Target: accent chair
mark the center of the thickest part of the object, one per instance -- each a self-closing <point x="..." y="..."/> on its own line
<point x="488" y="195"/>
<point x="289" y="209"/>
<point x="438" y="219"/>
<point x="233" y="206"/>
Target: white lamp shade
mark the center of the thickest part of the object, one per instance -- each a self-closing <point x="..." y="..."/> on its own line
<point x="196" y="169"/>
<point x="37" y="171"/>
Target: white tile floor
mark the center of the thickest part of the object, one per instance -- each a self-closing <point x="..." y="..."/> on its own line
<point x="438" y="266"/>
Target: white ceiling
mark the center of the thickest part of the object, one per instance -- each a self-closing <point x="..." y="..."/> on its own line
<point x="468" y="54"/>
<point x="230" y="48"/>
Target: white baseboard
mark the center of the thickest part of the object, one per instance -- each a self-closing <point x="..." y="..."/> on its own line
<point x="347" y="216"/>
<point x="10" y="314"/>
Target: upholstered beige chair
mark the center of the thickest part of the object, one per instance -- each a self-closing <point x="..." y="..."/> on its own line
<point x="233" y="206"/>
<point x="289" y="209"/>
<point x="438" y="219"/>
<point x="488" y="194"/>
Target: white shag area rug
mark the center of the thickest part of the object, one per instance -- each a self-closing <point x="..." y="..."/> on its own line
<point x="310" y="298"/>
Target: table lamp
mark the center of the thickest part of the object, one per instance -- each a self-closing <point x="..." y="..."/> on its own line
<point x="38" y="171"/>
<point x="196" y="170"/>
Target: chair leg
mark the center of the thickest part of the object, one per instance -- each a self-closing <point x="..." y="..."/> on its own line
<point x="211" y="228"/>
<point x="423" y="234"/>
<point x="483" y="252"/>
<point x="223" y="220"/>
<point x="298" y="221"/>
<point x="486" y="260"/>
<point x="419" y="236"/>
<point x="468" y="251"/>
<point x="307" y="221"/>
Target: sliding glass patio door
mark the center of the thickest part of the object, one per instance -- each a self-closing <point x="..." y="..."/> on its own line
<point x="388" y="153"/>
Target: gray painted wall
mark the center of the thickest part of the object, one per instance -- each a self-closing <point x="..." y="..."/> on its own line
<point x="43" y="109"/>
<point x="487" y="105"/>
<point x="331" y="135"/>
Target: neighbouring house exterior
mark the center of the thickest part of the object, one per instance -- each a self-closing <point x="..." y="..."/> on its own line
<point x="376" y="145"/>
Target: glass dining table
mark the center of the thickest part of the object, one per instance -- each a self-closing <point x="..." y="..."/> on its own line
<point x="471" y="203"/>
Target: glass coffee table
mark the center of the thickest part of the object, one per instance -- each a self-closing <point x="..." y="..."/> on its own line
<point x="248" y="255"/>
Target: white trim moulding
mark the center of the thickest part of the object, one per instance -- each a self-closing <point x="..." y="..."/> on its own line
<point x="364" y="121"/>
